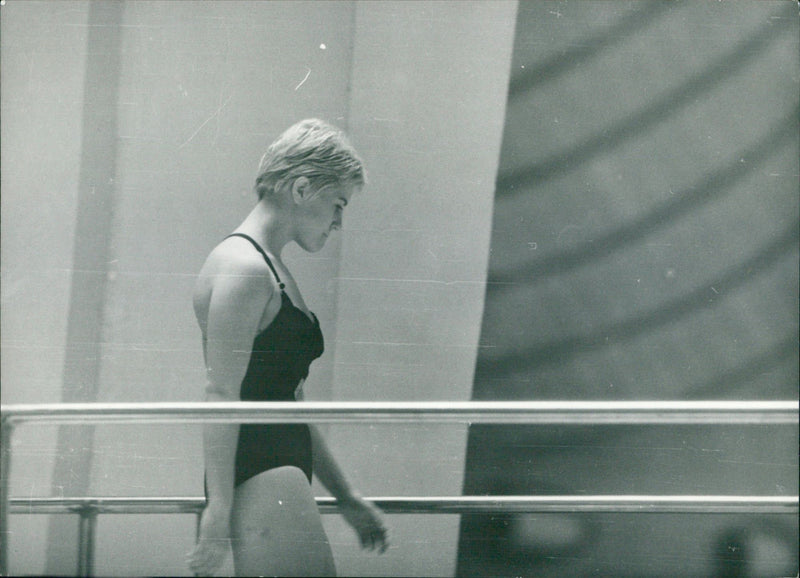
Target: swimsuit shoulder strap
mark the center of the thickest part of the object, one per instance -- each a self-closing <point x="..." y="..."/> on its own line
<point x="263" y="254"/>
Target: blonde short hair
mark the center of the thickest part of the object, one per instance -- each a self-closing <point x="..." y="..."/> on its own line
<point x="313" y="149"/>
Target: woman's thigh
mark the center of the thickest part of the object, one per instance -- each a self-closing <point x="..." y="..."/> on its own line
<point x="276" y="528"/>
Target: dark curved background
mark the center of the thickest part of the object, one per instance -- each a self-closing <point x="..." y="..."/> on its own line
<point x="644" y="246"/>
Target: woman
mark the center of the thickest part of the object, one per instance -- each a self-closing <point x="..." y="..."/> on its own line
<point x="259" y="339"/>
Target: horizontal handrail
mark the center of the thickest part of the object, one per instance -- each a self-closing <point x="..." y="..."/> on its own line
<point x="509" y="412"/>
<point x="441" y="505"/>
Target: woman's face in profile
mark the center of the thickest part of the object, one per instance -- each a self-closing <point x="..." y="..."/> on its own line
<point x="321" y="214"/>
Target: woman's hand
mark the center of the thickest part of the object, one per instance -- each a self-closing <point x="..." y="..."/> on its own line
<point x="212" y="544"/>
<point x="367" y="521"/>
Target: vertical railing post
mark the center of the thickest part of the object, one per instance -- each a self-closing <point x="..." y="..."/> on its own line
<point x="6" y="431"/>
<point x="199" y="517"/>
<point x="86" y="531"/>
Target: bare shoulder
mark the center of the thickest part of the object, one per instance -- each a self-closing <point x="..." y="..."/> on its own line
<point x="234" y="256"/>
<point x="233" y="270"/>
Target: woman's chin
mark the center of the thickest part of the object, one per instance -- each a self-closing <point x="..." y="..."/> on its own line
<point x="315" y="247"/>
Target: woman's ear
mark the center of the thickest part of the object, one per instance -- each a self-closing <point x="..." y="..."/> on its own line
<point x="301" y="190"/>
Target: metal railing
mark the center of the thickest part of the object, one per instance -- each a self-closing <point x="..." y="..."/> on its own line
<point x="88" y="509"/>
<point x="509" y="412"/>
<point x="573" y="413"/>
<point x="550" y="504"/>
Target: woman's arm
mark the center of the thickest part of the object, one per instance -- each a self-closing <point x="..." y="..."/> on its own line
<point x="237" y="305"/>
<point x="328" y="471"/>
<point x="362" y="515"/>
<point x="238" y="300"/>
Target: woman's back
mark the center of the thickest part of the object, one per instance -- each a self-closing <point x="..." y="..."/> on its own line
<point x="228" y="261"/>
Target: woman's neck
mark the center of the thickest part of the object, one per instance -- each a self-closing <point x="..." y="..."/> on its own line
<point x="267" y="226"/>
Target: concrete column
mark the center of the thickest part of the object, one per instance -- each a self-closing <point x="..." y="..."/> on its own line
<point x="427" y="106"/>
<point x="96" y="191"/>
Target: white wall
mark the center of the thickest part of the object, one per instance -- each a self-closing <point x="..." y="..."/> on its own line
<point x="427" y="108"/>
<point x="43" y="54"/>
<point x="204" y="87"/>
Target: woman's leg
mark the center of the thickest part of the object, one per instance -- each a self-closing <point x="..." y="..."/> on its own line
<point x="276" y="527"/>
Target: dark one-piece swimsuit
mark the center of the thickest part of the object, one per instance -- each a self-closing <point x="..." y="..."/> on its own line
<point x="280" y="359"/>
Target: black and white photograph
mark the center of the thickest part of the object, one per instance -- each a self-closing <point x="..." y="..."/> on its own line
<point x="413" y="288"/>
